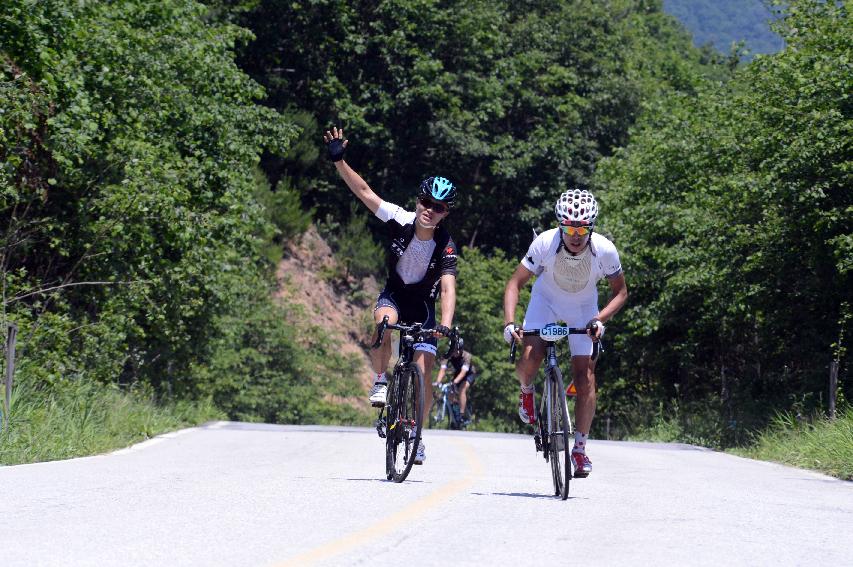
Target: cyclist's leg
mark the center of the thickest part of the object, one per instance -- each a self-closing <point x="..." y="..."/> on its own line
<point x="385" y="305"/>
<point x="425" y="361"/>
<point x="421" y="310"/>
<point x="462" y="391"/>
<point x="539" y="313"/>
<point x="583" y="373"/>
<point x="583" y="368"/>
<point x="379" y="357"/>
<point x="532" y="354"/>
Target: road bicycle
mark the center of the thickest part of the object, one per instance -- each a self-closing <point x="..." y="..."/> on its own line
<point x="446" y="406"/>
<point x="554" y="426"/>
<point x="399" y="421"/>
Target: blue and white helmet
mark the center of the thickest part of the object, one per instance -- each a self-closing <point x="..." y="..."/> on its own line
<point x="438" y="189"/>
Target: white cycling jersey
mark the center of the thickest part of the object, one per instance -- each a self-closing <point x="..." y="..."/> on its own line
<point x="566" y="285"/>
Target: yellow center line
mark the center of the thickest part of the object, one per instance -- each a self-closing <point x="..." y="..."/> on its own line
<point x="383" y="526"/>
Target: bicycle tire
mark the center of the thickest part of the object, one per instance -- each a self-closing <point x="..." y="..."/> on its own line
<point x="406" y="413"/>
<point x="561" y="461"/>
<point x="390" y="433"/>
<point x="438" y="411"/>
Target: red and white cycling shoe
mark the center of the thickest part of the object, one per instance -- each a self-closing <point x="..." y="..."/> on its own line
<point x="583" y="466"/>
<point x="527" y="407"/>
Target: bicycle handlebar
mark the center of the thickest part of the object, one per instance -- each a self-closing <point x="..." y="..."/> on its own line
<point x="537" y="332"/>
<point x="416" y="331"/>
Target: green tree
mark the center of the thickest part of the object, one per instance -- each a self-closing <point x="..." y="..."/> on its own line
<point x="733" y="210"/>
<point x="131" y="225"/>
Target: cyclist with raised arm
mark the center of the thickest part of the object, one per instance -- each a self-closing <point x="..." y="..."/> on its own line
<point x="463" y="376"/>
<point x="421" y="267"/>
<point x="568" y="262"/>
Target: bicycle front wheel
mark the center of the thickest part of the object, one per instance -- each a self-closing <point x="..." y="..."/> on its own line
<point x="438" y="411"/>
<point x="560" y="429"/>
<point x="404" y="423"/>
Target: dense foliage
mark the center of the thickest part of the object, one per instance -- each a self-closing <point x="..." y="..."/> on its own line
<point x="733" y="212"/>
<point x="508" y="99"/>
<point x="135" y="227"/>
<point x="724" y="23"/>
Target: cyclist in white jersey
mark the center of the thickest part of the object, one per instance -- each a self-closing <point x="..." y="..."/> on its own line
<point x="568" y="261"/>
<point x="421" y="267"/>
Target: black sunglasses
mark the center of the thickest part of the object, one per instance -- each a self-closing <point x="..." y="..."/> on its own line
<point x="440" y="208"/>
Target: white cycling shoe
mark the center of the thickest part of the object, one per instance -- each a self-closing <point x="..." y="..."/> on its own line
<point x="378" y="394"/>
<point x="420" y="455"/>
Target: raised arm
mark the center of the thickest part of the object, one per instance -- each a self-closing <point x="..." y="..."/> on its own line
<point x="336" y="144"/>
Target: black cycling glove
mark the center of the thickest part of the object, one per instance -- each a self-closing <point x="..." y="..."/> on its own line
<point x="335" y="149"/>
<point x="443" y="330"/>
<point x="592" y="325"/>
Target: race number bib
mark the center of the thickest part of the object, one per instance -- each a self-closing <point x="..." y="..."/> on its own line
<point x="553" y="332"/>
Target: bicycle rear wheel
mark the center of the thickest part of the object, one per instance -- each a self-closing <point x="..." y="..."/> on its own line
<point x="560" y="429"/>
<point x="404" y="423"/>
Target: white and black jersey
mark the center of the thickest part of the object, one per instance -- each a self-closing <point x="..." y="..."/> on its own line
<point x="415" y="266"/>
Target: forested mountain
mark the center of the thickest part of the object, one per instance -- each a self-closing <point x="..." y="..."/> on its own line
<point x="154" y="157"/>
<point x="512" y="98"/>
<point x="722" y="23"/>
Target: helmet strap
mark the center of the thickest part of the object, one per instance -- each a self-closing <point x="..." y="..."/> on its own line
<point x="427" y="226"/>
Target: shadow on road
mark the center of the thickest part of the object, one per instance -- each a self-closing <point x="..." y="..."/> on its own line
<point x="522" y="495"/>
<point x="408" y="480"/>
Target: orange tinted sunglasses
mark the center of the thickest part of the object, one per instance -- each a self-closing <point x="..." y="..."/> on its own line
<point x="573" y="230"/>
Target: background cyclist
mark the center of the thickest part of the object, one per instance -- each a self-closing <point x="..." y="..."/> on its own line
<point x="568" y="261"/>
<point x="421" y="267"/>
<point x="463" y="377"/>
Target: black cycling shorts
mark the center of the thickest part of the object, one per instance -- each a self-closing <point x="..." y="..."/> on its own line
<point x="411" y="310"/>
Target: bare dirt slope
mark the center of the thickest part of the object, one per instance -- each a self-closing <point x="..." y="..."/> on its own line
<point x="309" y="277"/>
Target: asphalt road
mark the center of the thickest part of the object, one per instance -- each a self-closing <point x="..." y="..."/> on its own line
<point x="235" y="494"/>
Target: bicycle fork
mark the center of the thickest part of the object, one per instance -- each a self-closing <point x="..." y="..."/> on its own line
<point x="543" y="432"/>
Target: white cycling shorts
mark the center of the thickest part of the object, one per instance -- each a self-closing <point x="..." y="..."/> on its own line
<point x="540" y="312"/>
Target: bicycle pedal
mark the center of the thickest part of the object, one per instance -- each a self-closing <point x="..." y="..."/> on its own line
<point x="380" y="427"/>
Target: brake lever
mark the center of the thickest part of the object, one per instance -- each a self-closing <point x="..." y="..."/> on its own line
<point x="380" y="332"/>
<point x="453" y="336"/>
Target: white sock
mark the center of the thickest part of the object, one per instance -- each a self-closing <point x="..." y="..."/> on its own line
<point x="379" y="378"/>
<point x="580" y="443"/>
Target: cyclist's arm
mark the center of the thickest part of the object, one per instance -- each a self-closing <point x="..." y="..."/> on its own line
<point x="448" y="299"/>
<point x="513" y="287"/>
<point x="460" y="376"/>
<point x="618" y="297"/>
<point x="440" y="378"/>
<point x="358" y="186"/>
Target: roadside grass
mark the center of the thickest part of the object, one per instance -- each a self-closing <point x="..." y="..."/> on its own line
<point x="818" y="444"/>
<point x="821" y="445"/>
<point x="86" y="418"/>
